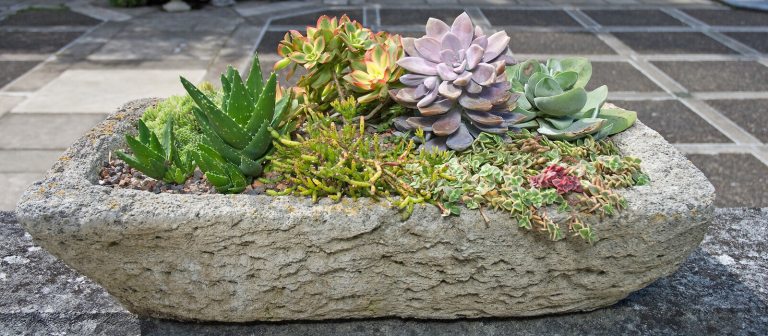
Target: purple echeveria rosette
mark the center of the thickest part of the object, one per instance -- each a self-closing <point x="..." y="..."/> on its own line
<point x="455" y="71"/>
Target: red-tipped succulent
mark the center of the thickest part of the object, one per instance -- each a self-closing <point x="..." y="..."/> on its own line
<point x="557" y="177"/>
<point x="455" y="72"/>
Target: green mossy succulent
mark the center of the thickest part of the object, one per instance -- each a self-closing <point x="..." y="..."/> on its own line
<point x="157" y="156"/>
<point x="237" y="132"/>
<point x="186" y="130"/>
<point x="555" y="102"/>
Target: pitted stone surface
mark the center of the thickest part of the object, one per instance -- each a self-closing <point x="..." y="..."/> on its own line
<point x="243" y="258"/>
<point x="719" y="290"/>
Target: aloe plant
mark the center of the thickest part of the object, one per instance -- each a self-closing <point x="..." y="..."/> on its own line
<point x="157" y="157"/>
<point x="555" y="102"/>
<point x="237" y="134"/>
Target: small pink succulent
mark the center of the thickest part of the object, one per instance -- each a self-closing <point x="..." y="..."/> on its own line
<point x="557" y="177"/>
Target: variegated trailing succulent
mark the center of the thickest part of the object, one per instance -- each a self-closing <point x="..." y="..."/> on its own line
<point x="341" y="58"/>
<point x="554" y="102"/>
<point x="457" y="82"/>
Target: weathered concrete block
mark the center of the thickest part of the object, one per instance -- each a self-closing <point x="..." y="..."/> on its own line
<point x="245" y="258"/>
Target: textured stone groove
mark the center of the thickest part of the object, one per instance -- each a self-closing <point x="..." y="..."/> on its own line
<point x="243" y="258"/>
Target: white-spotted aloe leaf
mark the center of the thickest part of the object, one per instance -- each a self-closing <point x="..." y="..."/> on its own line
<point x="240" y="106"/>
<point x="226" y="128"/>
<point x="265" y="107"/>
<point x="255" y="82"/>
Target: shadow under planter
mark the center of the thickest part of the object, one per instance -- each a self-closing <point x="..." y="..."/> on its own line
<point x="237" y="258"/>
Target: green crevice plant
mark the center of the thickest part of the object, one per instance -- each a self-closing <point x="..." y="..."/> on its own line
<point x="157" y="156"/>
<point x="330" y="160"/>
<point x="555" y="102"/>
<point x="186" y="130"/>
<point x="237" y="134"/>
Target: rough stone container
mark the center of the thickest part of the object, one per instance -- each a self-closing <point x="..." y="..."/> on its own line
<point x="241" y="258"/>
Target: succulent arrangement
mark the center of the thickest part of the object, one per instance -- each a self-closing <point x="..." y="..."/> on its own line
<point x="447" y="119"/>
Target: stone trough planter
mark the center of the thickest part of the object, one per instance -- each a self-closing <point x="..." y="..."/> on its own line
<point x="241" y="258"/>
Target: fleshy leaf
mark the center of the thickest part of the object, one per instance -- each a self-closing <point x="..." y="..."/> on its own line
<point x="566" y="103"/>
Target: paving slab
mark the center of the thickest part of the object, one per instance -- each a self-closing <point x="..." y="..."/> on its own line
<point x="101" y="91"/>
<point x="411" y="16"/>
<point x="672" y="43"/>
<point x="310" y="19"/>
<point x="12" y="185"/>
<point x="620" y="76"/>
<point x="44" y="131"/>
<point x="717" y="75"/>
<point x="530" y="18"/>
<point x="674" y="121"/>
<point x="739" y="179"/>
<point x="719" y="289"/>
<point x="169" y="45"/>
<point x="269" y="42"/>
<point x="729" y="17"/>
<point x="210" y="20"/>
<point x="750" y="114"/>
<point x="38" y="77"/>
<point x="755" y="40"/>
<point x="15" y="42"/>
<point x="561" y="43"/>
<point x="48" y="18"/>
<point x="27" y="161"/>
<point x="8" y="102"/>
<point x="635" y="17"/>
<point x="10" y="70"/>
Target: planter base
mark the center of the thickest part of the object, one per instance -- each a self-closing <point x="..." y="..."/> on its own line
<point x="238" y="258"/>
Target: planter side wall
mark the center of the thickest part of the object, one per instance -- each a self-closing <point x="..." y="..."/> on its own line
<point x="242" y="258"/>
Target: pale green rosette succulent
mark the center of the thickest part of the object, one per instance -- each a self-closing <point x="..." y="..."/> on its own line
<point x="555" y="103"/>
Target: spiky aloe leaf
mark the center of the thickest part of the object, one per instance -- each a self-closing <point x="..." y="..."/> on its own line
<point x="260" y="143"/>
<point x="265" y="107"/>
<point x="281" y="108"/>
<point x="255" y="81"/>
<point x="213" y="140"/>
<point x="166" y="140"/>
<point x="226" y="88"/>
<point x="240" y="106"/>
<point x="226" y="177"/>
<point x="226" y="128"/>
